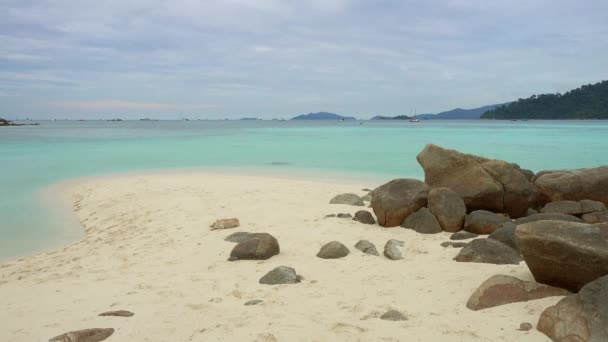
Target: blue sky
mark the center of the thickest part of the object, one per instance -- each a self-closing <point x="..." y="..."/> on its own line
<point x="271" y="58"/>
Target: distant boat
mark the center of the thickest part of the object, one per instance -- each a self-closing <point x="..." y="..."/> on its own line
<point x="414" y="118"/>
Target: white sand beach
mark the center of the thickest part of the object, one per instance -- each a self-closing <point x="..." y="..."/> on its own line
<point x="148" y="249"/>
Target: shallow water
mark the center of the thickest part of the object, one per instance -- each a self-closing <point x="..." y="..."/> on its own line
<point x="34" y="157"/>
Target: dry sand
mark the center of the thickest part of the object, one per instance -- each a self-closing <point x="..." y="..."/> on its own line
<point x="148" y="249"/>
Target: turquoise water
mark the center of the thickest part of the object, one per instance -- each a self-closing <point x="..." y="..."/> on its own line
<point x="33" y="157"/>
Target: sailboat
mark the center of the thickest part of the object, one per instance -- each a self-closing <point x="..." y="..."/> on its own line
<point x="414" y="118"/>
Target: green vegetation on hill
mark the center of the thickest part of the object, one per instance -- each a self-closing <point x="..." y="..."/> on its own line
<point x="586" y="102"/>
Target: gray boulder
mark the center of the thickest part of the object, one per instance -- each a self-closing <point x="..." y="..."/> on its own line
<point x="422" y="221"/>
<point x="563" y="207"/>
<point x="333" y="250"/>
<point x="259" y="246"/>
<point x="505" y="234"/>
<point x="546" y="216"/>
<point x="531" y="211"/>
<point x="364" y="216"/>
<point x="397" y="199"/>
<point x="253" y="302"/>
<point x="597" y="217"/>
<point x="502" y="289"/>
<point x="281" y="275"/>
<point x="463" y="235"/>
<point x="350" y="199"/>
<point x="589" y="206"/>
<point x="483" y="222"/>
<point x="582" y="317"/>
<point x="344" y="215"/>
<point x="366" y="247"/>
<point x="482" y="183"/>
<point x="454" y="244"/>
<point x="575" y="185"/>
<point x="86" y="335"/>
<point x="391" y="249"/>
<point x="238" y="237"/>
<point x="367" y="197"/>
<point x="488" y="251"/>
<point x="564" y="254"/>
<point x="448" y="207"/>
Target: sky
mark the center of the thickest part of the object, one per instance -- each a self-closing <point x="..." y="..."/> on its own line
<point x="272" y="59"/>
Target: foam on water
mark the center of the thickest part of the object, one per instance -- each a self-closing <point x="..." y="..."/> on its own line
<point x="34" y="157"/>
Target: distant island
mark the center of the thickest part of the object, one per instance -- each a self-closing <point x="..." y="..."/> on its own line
<point x="322" y="116"/>
<point x="4" y="122"/>
<point x="586" y="102"/>
<point x="454" y="114"/>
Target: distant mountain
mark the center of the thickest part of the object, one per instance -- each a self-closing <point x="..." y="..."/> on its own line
<point x="454" y="114"/>
<point x="322" y="116"/>
<point x="586" y="102"/>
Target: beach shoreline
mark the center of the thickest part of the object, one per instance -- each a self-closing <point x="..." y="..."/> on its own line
<point x="147" y="248"/>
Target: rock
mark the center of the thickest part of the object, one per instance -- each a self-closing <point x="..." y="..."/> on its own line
<point x="463" y="235"/>
<point x="391" y="249"/>
<point x="364" y="216"/>
<point x="503" y="289"/>
<point x="589" y="206"/>
<point x="397" y="199"/>
<point x="118" y="313"/>
<point x="393" y="315"/>
<point x="582" y="317"/>
<point x="530" y="212"/>
<point x="597" y="217"/>
<point x="280" y="275"/>
<point x="482" y="183"/>
<point x="225" y="224"/>
<point x="488" y="251"/>
<point x="575" y="185"/>
<point x="366" y="247"/>
<point x="422" y="221"/>
<point x="483" y="222"/>
<point x="260" y="246"/>
<point x="86" y="335"/>
<point x="344" y="215"/>
<point x="563" y="207"/>
<point x="506" y="234"/>
<point x="453" y="244"/>
<point x="254" y="302"/>
<point x="333" y="250"/>
<point x="525" y="326"/>
<point x="350" y="199"/>
<point x="367" y="197"/>
<point x="330" y="215"/>
<point x="546" y="216"/>
<point x="238" y="237"/>
<point x="448" y="207"/>
<point x="564" y="254"/>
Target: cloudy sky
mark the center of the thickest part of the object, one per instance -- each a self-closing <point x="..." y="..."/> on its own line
<point x="272" y="58"/>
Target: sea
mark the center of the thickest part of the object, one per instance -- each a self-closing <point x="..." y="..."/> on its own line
<point x="34" y="158"/>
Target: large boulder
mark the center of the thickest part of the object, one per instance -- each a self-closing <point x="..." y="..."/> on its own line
<point x="563" y="207"/>
<point x="597" y="217"/>
<point x="86" y="335"/>
<point x="463" y="235"/>
<point x="488" y="251"/>
<point x="582" y="317"/>
<point x="448" y="207"/>
<point x="506" y="234"/>
<point x="503" y="289"/>
<point x="483" y="183"/>
<point x="397" y="199"/>
<point x="590" y="206"/>
<point x="333" y="250"/>
<point x="350" y="199"/>
<point x="281" y="275"/>
<point x="259" y="246"/>
<point x="564" y="254"/>
<point x="422" y="221"/>
<point x="483" y="222"/>
<point x="392" y="251"/>
<point x="575" y="185"/>
<point x="545" y="217"/>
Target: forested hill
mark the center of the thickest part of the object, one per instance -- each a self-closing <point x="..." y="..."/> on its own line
<point x="586" y="102"/>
